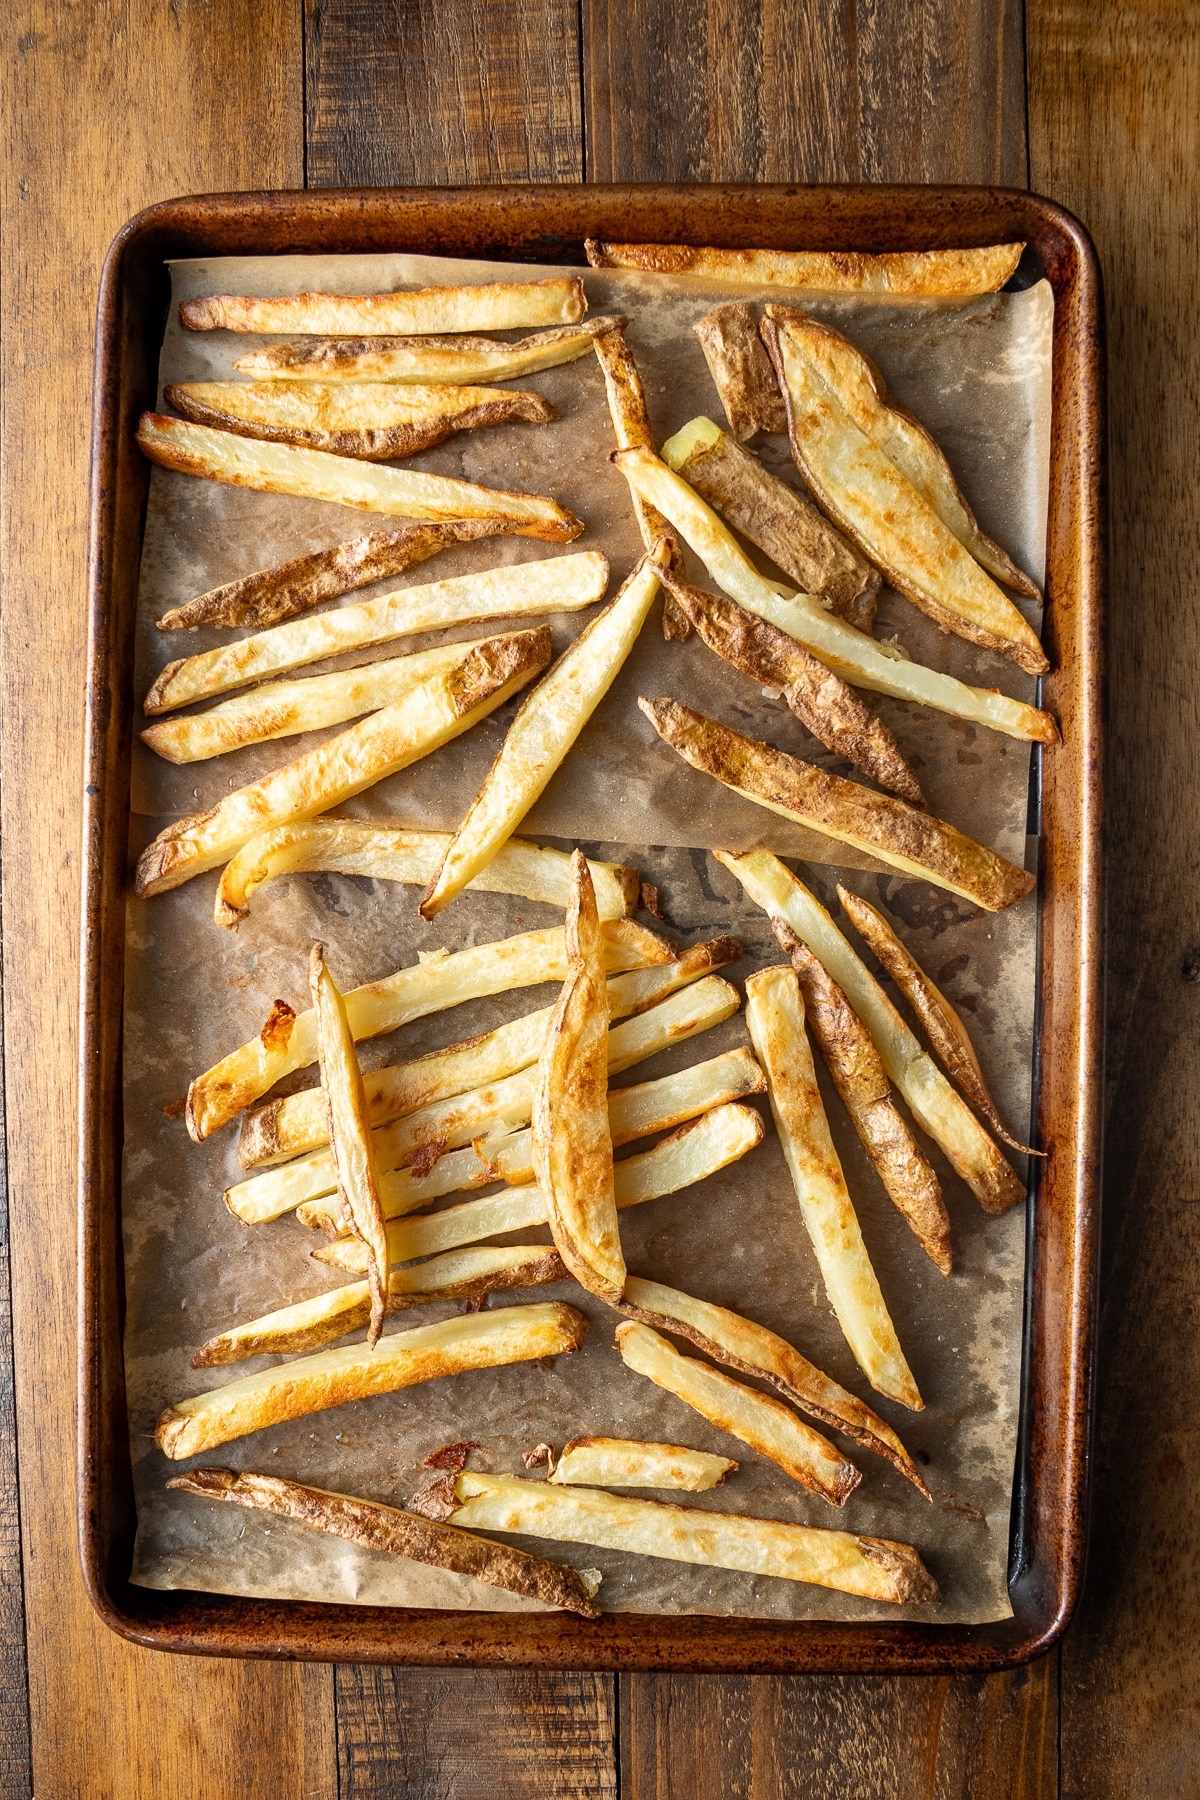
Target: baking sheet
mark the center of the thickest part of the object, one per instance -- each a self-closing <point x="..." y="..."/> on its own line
<point x="979" y="376"/>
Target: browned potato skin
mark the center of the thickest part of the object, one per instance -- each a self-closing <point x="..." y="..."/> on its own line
<point x="400" y="1533"/>
<point x="350" y="357"/>
<point x="741" y="370"/>
<point x="824" y="704"/>
<point x="858" y="1074"/>
<point x="959" y="272"/>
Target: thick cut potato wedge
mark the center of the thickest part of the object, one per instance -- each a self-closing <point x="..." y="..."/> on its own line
<point x="789" y="528"/>
<point x="875" y="503"/>
<point x="311" y="1324"/>
<point x="631" y="426"/>
<point x="389" y="853"/>
<point x="430" y="714"/>
<point x="318" y="475"/>
<point x="572" y="1144"/>
<point x="897" y="834"/>
<point x="821" y="700"/>
<point x="767" y="1425"/>
<point x="741" y="370"/>
<point x="937" y="1108"/>
<point x="861" y="1080"/>
<point x="350" y="1139"/>
<point x="406" y="1534"/>
<point x="775" y="1017"/>
<point x="851" y="654"/>
<point x="430" y="985"/>
<point x="560" y="584"/>
<point x="423" y="359"/>
<point x="270" y="595"/>
<point x="493" y="306"/>
<point x="873" y="1568"/>
<point x="961" y="273"/>
<point x="293" y="1390"/>
<point x="943" y="1026"/>
<point x="542" y="733"/>
<point x="626" y="1462"/>
<point x="370" y="419"/>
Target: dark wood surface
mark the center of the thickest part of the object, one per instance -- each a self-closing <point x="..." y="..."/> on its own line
<point x="107" y="109"/>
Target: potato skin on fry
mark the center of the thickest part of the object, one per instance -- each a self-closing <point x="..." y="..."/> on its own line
<point x="423" y="359"/>
<point x="741" y="370"/>
<point x="954" y="272"/>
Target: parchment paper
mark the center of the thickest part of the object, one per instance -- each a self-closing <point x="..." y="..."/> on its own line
<point x="979" y="377"/>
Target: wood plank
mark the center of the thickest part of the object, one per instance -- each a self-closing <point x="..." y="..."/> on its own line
<point x="804" y="90"/>
<point x="108" y="108"/>
<point x="1115" y="135"/>
<point x="15" y="1772"/>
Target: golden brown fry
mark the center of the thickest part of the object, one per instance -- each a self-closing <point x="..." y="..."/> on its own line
<point x="873" y="1568"/>
<point x="631" y="424"/>
<point x="741" y="371"/>
<point x="625" y="1462"/>
<point x="438" y="709"/>
<point x="767" y="1425"/>
<point x="399" y="1533"/>
<point x="875" y="503"/>
<point x="861" y="1080"/>
<point x="821" y="700"/>
<point x="572" y="1144"/>
<point x="897" y="834"/>
<point x="961" y="273"/>
<point x="293" y="1390"/>
<point x="422" y="359"/>
<point x="493" y="306"/>
<point x="350" y="1140"/>
<point x="944" y="1027"/>
<point x="797" y="537"/>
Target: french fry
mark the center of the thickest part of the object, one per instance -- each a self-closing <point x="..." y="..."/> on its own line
<point x="317" y="475"/>
<point x="293" y="587"/>
<point x="389" y="853"/>
<point x="505" y="1158"/>
<point x="572" y="1144"/>
<point x="797" y="537"/>
<point x="775" y="1017"/>
<point x="689" y="1155"/>
<point x="542" y="733"/>
<point x="937" y="1108"/>
<point x="741" y="371"/>
<point x="406" y="1534"/>
<point x="861" y="392"/>
<point x="961" y="273"/>
<point x="740" y="1344"/>
<point x="861" y="1080"/>
<point x="914" y="842"/>
<point x="873" y="1568"/>
<point x="431" y="985"/>
<point x="821" y="700"/>
<point x="350" y="1140"/>
<point x="767" y="1425"/>
<point x="423" y="359"/>
<point x="849" y="653"/>
<point x="875" y="503"/>
<point x="296" y="1123"/>
<point x="625" y="1462"/>
<point x="493" y="306"/>
<point x="282" y="709"/>
<point x="368" y="419"/>
<point x="311" y="1324"/>
<point x="944" y="1027"/>
<point x="557" y="584"/>
<point x="486" y="1340"/>
<point x="430" y="714"/>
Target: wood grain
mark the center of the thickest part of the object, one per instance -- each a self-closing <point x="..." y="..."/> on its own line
<point x="15" y="1772"/>
<point x="107" y="108"/>
<point x="1115" y="135"/>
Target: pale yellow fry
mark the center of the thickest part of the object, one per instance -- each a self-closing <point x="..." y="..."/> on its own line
<point x="961" y="273"/>
<point x="849" y="653"/>
<point x="626" y="1462"/>
<point x="873" y="1568"/>
<point x="554" y="584"/>
<point x="422" y="359"/>
<point x="767" y="1425"/>
<point x="389" y="853"/>
<point x="478" y="1164"/>
<point x="937" y="1108"/>
<point x="485" y="1340"/>
<point x="775" y="1017"/>
<point x="631" y="425"/>
<point x="491" y="306"/>
<point x="542" y="733"/>
<point x="429" y="715"/>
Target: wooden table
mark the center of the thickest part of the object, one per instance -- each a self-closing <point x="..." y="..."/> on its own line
<point x="108" y="108"/>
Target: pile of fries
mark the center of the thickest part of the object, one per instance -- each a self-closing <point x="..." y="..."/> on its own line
<point x="384" y="1167"/>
